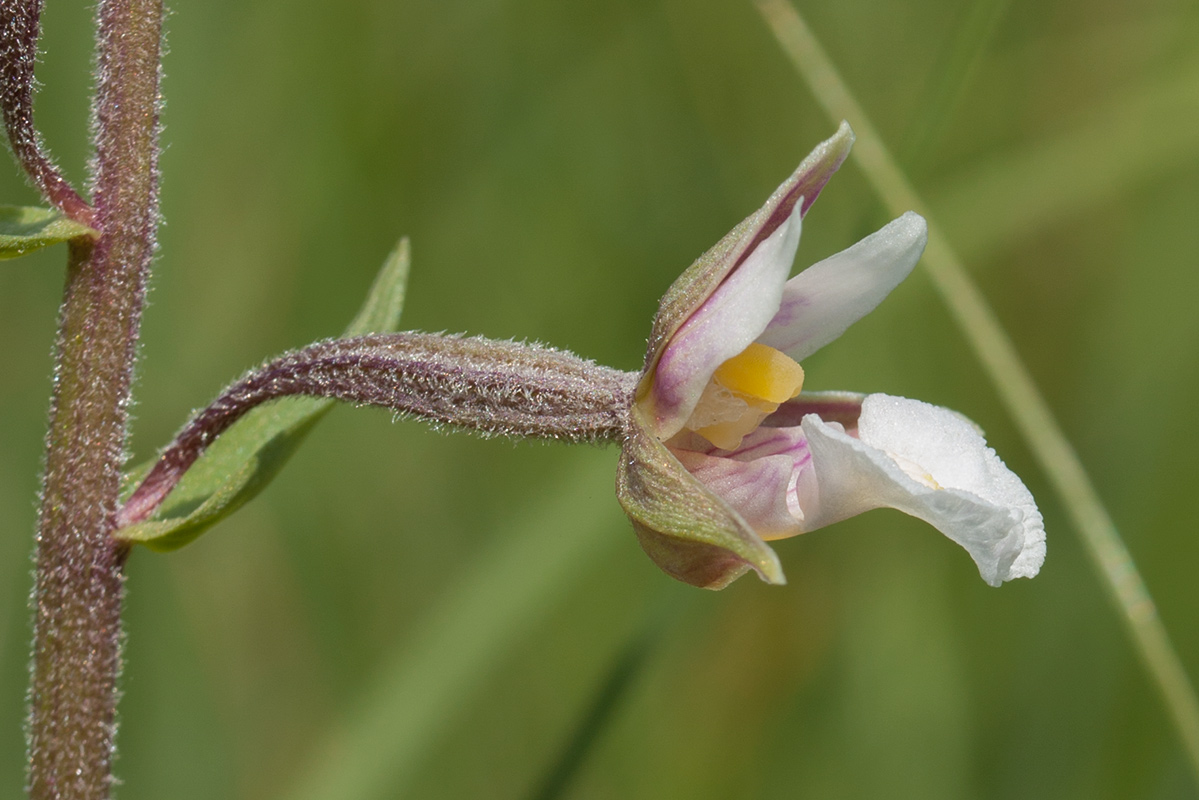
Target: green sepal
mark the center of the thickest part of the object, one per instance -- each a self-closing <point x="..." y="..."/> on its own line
<point x="689" y="532"/>
<point x="245" y="458"/>
<point x="25" y="229"/>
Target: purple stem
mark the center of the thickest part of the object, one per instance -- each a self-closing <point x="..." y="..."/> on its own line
<point x="478" y="384"/>
<point x="20" y="27"/>
<point x="840" y="407"/>
<point x="79" y="577"/>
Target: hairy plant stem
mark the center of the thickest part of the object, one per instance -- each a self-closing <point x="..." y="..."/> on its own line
<point x="77" y="596"/>
<point x="472" y="383"/>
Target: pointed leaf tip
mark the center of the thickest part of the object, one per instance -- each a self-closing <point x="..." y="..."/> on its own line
<point x="381" y="311"/>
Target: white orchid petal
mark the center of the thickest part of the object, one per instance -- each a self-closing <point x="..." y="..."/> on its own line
<point x="933" y="464"/>
<point x="821" y="302"/>
<point x="728" y="322"/>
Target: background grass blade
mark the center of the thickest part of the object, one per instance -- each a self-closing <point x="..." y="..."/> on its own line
<point x="949" y="80"/>
<point x="609" y="698"/>
<point x="482" y="615"/>
<point x="1013" y="382"/>
<point x="1146" y="132"/>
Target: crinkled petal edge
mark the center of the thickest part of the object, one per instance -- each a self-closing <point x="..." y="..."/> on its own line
<point x="849" y="477"/>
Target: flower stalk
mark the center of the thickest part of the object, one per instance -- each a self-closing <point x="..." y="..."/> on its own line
<point x="77" y="596"/>
<point x="476" y="384"/>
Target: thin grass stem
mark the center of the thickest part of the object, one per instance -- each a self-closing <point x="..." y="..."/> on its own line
<point x="1012" y="379"/>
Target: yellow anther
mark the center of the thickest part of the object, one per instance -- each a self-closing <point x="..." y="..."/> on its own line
<point x="728" y="432"/>
<point x="762" y="372"/>
<point x="744" y="391"/>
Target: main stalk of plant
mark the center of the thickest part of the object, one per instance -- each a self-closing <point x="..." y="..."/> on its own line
<point x="77" y="637"/>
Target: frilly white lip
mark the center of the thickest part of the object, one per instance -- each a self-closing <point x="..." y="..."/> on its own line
<point x="923" y="460"/>
<point x="965" y="490"/>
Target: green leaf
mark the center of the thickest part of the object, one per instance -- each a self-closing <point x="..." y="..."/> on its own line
<point x="247" y="457"/>
<point x="381" y="311"/>
<point x="24" y="229"/>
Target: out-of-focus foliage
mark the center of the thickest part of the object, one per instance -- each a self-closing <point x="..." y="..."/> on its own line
<point x="374" y="620"/>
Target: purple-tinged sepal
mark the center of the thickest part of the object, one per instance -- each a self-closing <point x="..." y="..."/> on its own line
<point x="727" y="298"/>
<point x="690" y="532"/>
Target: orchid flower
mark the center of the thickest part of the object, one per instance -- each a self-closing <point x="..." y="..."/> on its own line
<point x="723" y="452"/>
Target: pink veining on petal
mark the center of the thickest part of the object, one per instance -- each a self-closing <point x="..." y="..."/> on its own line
<point x="765" y="442"/>
<point x="758" y="444"/>
<point x="757" y="490"/>
<point x="789" y="309"/>
<point x="757" y="479"/>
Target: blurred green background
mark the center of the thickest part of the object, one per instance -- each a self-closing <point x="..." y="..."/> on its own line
<point x="407" y="613"/>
